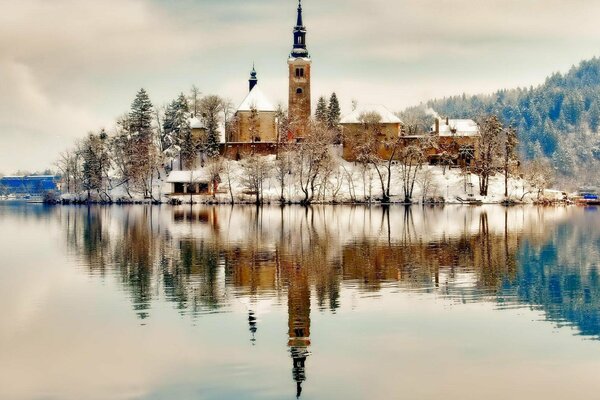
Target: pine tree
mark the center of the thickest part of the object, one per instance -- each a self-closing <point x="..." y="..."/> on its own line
<point x="333" y="112"/>
<point x="321" y="113"/>
<point x="140" y="116"/>
<point x="594" y="116"/>
<point x="210" y="108"/>
<point x="143" y="154"/>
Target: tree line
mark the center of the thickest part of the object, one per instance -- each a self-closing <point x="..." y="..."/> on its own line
<point x="558" y="120"/>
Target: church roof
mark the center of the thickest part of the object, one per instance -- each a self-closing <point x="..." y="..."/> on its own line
<point x="387" y="117"/>
<point x="256" y="99"/>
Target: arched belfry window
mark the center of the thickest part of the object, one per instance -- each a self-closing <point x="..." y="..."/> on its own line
<point x="299" y="91"/>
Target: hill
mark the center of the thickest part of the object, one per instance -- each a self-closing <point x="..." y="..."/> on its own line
<point x="559" y="119"/>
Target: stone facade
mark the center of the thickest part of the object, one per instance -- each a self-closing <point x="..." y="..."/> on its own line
<point x="266" y="127"/>
<point x="299" y="105"/>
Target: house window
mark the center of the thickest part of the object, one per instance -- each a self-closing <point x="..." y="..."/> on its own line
<point x="299" y="91"/>
<point x="299" y="72"/>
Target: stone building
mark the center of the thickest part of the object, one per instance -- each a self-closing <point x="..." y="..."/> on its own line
<point x="299" y="64"/>
<point x="375" y="120"/>
<point x="457" y="141"/>
<point x="255" y="119"/>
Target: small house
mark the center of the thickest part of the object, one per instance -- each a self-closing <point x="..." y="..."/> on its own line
<point x="199" y="182"/>
<point x="457" y="141"/>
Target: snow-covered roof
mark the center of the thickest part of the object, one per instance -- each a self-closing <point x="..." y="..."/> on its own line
<point x="387" y="117"/>
<point x="201" y="175"/>
<point x="457" y="127"/>
<point x="196" y="123"/>
<point x="256" y="99"/>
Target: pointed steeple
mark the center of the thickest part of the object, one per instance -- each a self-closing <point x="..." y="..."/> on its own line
<point x="299" y="22"/>
<point x="253" y="81"/>
<point x="299" y="50"/>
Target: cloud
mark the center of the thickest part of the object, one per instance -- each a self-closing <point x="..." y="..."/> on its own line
<point x="70" y="66"/>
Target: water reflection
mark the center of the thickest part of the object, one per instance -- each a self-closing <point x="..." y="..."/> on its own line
<point x="203" y="260"/>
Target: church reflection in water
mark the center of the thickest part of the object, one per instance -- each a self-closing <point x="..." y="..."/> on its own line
<point x="204" y="259"/>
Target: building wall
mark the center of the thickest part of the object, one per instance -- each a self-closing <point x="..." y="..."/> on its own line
<point x="267" y="127"/>
<point x="239" y="151"/>
<point x="353" y="134"/>
<point x="299" y="106"/>
<point x="451" y="145"/>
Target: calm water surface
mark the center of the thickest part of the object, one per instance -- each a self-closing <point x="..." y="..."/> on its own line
<point x="321" y="303"/>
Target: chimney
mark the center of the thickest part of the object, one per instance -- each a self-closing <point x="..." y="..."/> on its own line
<point x="437" y="126"/>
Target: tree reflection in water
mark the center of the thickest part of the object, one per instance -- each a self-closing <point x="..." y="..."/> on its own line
<point x="200" y="259"/>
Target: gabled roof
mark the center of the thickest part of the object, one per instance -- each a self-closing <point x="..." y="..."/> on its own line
<point x="457" y="127"/>
<point x="199" y="176"/>
<point x="196" y="123"/>
<point x="256" y="99"/>
<point x="387" y="117"/>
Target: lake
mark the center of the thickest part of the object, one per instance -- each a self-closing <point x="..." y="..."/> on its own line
<point x="325" y="302"/>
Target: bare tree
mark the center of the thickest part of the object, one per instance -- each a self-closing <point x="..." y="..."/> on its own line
<point x="540" y="174"/>
<point x="425" y="182"/>
<point x="257" y="170"/>
<point x="489" y="151"/>
<point x="312" y="155"/>
<point x="215" y="168"/>
<point x="510" y="155"/>
<point x="283" y="169"/>
<point x="228" y="168"/>
<point x="195" y="96"/>
<point x="411" y="159"/>
<point x="380" y="154"/>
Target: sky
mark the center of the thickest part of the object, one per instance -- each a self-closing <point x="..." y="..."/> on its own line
<point x="68" y="67"/>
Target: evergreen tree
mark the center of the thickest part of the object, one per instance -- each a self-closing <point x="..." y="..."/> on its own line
<point x="143" y="157"/>
<point x="210" y="108"/>
<point x="321" y="113"/>
<point x="140" y="116"/>
<point x="333" y="112"/>
<point x="594" y="116"/>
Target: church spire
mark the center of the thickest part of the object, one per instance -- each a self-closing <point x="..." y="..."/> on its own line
<point x="299" y="22"/>
<point x="253" y="81"/>
<point x="299" y="50"/>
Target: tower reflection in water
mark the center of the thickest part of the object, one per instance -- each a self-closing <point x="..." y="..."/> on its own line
<point x="205" y="259"/>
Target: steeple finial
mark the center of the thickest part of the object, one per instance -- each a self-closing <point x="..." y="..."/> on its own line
<point x="299" y="50"/>
<point x="299" y="22"/>
<point x="253" y="81"/>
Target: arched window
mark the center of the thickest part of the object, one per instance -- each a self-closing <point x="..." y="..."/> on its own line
<point x="302" y="72"/>
<point x="299" y="91"/>
<point x="297" y="72"/>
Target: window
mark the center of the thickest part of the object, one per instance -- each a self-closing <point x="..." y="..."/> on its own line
<point x="299" y="72"/>
<point x="299" y="91"/>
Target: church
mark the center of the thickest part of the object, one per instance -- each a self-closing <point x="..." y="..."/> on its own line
<point x="255" y="127"/>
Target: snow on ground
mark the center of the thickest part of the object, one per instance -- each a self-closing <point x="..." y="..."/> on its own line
<point x="349" y="182"/>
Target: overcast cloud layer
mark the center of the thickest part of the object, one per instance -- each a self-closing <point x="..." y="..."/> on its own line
<point x="71" y="66"/>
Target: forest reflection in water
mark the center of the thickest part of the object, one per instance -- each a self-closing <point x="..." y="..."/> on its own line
<point x="201" y="259"/>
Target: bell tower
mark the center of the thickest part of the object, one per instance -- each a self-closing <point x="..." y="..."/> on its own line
<point x="299" y="64"/>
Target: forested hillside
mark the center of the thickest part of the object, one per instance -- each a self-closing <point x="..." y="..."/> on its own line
<point x="559" y="119"/>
